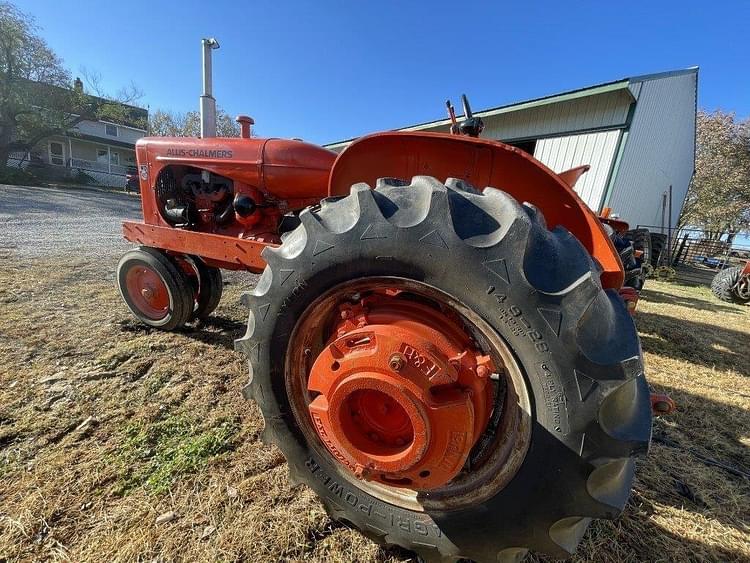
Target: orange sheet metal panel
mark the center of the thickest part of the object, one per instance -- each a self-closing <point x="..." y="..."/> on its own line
<point x="284" y="168"/>
<point x="482" y="163"/>
<point x="233" y="253"/>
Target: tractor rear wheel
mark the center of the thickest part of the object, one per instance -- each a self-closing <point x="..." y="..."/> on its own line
<point x="446" y="373"/>
<point x="154" y="288"/>
<point x="641" y="239"/>
<point x="731" y="286"/>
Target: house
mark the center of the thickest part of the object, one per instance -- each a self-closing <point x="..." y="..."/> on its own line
<point x="101" y="151"/>
<point x="637" y="134"/>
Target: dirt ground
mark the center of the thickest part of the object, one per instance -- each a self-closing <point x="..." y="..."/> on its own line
<point x="120" y="443"/>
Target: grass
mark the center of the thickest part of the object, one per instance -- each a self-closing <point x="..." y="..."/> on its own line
<point x="155" y="455"/>
<point x="105" y="425"/>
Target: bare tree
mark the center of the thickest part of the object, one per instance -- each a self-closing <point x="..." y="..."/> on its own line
<point x="92" y="79"/>
<point x="162" y="123"/>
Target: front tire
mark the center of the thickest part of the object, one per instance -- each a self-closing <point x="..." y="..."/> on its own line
<point x="538" y="290"/>
<point x="154" y="288"/>
<point x="208" y="290"/>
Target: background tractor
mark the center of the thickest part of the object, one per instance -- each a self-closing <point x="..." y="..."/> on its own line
<point x="733" y="284"/>
<point x="439" y="340"/>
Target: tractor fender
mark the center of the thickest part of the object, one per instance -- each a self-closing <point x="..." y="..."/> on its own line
<point x="481" y="162"/>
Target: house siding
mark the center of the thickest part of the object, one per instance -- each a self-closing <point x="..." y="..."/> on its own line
<point x="98" y="129"/>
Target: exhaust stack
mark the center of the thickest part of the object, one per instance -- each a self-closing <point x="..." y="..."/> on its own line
<point x="208" y="102"/>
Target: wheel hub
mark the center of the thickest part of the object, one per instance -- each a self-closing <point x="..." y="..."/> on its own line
<point x="148" y="292"/>
<point x="402" y="393"/>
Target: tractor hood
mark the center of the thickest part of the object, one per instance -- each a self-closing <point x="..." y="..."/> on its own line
<point x="284" y="169"/>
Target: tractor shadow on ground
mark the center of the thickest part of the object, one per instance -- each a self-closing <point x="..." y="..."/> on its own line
<point x="653" y="296"/>
<point x="698" y="343"/>
<point x="696" y="463"/>
<point x="216" y="330"/>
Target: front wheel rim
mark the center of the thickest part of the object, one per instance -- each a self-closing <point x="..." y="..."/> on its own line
<point x="148" y="292"/>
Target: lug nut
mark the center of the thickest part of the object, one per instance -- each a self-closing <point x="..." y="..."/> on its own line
<point x="396" y="362"/>
<point x="361" y="472"/>
<point x="482" y="371"/>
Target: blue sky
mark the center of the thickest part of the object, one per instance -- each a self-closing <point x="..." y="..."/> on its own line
<point x="325" y="71"/>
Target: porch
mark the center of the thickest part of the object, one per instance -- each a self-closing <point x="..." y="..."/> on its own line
<point x="79" y="160"/>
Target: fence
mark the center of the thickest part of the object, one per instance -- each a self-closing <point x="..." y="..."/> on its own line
<point x="696" y="257"/>
<point x="75" y="170"/>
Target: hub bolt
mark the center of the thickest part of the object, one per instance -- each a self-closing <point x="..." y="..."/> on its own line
<point x="396" y="362"/>
<point x="361" y="472"/>
<point x="482" y="371"/>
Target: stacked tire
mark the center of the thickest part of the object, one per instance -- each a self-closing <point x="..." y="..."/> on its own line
<point x="658" y="244"/>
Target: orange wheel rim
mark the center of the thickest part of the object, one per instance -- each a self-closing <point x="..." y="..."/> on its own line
<point x="148" y="292"/>
<point x="407" y="393"/>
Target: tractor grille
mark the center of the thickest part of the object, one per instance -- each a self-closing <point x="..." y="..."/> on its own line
<point x="167" y="188"/>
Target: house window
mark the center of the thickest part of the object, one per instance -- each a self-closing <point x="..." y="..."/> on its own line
<point x="56" y="153"/>
<point x="110" y="130"/>
<point x="114" y="158"/>
<point x="101" y="155"/>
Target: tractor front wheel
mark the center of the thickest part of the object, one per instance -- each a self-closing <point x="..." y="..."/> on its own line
<point x="447" y="373"/>
<point x="154" y="288"/>
<point x="206" y="283"/>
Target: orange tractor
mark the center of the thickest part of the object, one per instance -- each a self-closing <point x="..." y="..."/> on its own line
<point x="438" y="340"/>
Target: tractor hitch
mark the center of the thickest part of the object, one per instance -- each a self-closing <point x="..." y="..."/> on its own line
<point x="662" y="404"/>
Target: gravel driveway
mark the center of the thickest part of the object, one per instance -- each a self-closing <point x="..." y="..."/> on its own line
<point x="40" y="222"/>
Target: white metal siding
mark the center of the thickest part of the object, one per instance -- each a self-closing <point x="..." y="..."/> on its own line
<point x="660" y="150"/>
<point x="595" y="149"/>
<point x="602" y="111"/>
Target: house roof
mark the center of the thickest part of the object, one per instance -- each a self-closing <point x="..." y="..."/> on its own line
<point x="132" y="116"/>
<point x="615" y="85"/>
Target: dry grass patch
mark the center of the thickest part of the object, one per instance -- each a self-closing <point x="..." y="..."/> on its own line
<point x="106" y="425"/>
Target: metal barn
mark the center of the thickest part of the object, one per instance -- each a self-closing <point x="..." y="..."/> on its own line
<point x="638" y="135"/>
